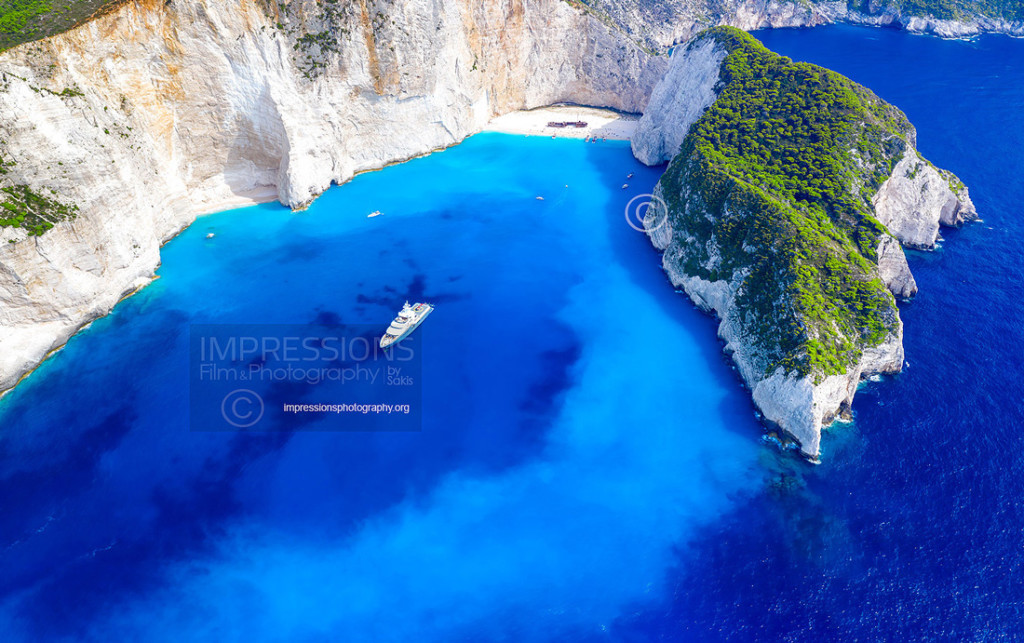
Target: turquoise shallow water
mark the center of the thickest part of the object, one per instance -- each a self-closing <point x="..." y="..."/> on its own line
<point x="579" y="424"/>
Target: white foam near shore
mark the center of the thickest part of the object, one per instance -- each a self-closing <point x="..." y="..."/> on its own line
<point x="601" y="123"/>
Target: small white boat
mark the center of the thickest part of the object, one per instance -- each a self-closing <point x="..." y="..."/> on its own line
<point x="375" y="213"/>
<point x="409" y="318"/>
<point x="210" y="236"/>
<point x="625" y="185"/>
<point x="540" y="198"/>
<point x="629" y="176"/>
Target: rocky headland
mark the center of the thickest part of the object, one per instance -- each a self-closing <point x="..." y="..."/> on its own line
<point x="788" y="193"/>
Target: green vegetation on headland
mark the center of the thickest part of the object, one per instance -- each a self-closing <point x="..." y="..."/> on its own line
<point x="772" y="185"/>
<point x="27" y="20"/>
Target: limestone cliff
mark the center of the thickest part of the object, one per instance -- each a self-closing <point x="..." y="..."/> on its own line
<point x="157" y="111"/>
<point x="658" y="24"/>
<point x="771" y="215"/>
<point x="917" y="198"/>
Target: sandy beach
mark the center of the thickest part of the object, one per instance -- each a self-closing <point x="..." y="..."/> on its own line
<point x="602" y="123"/>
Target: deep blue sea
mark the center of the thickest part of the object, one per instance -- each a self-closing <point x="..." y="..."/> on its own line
<point x="586" y="466"/>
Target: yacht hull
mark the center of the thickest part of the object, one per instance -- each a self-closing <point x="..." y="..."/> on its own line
<point x="386" y="342"/>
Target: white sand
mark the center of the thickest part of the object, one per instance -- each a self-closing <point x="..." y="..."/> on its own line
<point x="602" y="123"/>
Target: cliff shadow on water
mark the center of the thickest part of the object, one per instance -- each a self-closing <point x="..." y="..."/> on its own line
<point x="784" y="503"/>
<point x="642" y="262"/>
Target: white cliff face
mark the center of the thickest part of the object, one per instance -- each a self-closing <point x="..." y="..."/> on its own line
<point x="192" y="106"/>
<point x="912" y="202"/>
<point x="760" y="14"/>
<point x="916" y="199"/>
<point x="800" y="406"/>
<point x="966" y="28"/>
<point x="679" y="99"/>
<point x="893" y="268"/>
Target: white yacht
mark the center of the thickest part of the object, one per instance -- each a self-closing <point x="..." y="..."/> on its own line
<point x="409" y="318"/>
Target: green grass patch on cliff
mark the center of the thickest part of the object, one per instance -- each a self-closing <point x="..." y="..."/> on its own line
<point x="27" y="20"/>
<point x="778" y="175"/>
<point x="21" y="207"/>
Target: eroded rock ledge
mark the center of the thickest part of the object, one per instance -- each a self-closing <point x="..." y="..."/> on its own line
<point x="788" y="192"/>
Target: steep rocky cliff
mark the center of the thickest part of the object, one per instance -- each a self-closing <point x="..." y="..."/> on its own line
<point x="118" y="133"/>
<point x="780" y="211"/>
<point x="657" y="24"/>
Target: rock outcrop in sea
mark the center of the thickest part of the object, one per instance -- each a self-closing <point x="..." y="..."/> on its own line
<point x="788" y="193"/>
